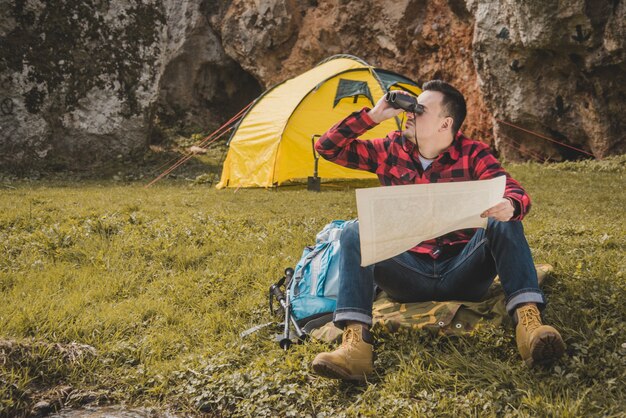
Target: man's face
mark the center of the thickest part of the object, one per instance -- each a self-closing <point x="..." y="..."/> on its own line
<point x="433" y="121"/>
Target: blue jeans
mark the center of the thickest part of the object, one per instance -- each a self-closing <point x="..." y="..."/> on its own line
<point x="501" y="249"/>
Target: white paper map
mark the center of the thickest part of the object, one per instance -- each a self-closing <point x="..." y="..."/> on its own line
<point x="394" y="219"/>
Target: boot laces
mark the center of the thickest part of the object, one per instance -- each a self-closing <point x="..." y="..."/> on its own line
<point x="351" y="337"/>
<point x="530" y="318"/>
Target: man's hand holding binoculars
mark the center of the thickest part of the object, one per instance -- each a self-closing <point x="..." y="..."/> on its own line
<point x="394" y="103"/>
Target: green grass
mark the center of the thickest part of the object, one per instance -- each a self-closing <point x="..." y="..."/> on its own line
<point x="161" y="281"/>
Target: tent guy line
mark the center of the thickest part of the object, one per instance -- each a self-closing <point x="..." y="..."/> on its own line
<point x="544" y="137"/>
<point x="204" y="143"/>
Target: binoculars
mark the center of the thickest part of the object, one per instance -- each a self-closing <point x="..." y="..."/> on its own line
<point x="404" y="102"/>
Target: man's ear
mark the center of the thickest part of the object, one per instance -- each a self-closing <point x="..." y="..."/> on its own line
<point x="446" y="124"/>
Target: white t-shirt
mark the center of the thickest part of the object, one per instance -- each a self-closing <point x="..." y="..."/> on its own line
<point x="425" y="162"/>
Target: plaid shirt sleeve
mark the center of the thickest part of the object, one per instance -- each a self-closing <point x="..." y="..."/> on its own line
<point x="486" y="166"/>
<point x="341" y="146"/>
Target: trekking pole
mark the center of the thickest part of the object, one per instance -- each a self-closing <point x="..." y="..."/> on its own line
<point x="285" y="342"/>
<point x="284" y="302"/>
<point x="288" y="276"/>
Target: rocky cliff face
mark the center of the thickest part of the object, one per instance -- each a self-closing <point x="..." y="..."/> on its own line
<point x="75" y="78"/>
<point x="275" y="39"/>
<point x="554" y="67"/>
<point x="199" y="85"/>
<point x="82" y="82"/>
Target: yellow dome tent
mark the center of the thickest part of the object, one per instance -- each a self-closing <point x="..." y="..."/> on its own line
<point x="272" y="142"/>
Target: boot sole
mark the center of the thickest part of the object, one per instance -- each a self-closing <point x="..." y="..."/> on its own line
<point x="547" y="349"/>
<point x="332" y="371"/>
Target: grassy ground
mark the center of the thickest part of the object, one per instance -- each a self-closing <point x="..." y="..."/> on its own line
<point x="110" y="292"/>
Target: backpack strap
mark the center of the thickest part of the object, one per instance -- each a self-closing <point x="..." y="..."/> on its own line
<point x="305" y="262"/>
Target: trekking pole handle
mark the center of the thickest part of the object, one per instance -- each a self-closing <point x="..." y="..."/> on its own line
<point x="288" y="276"/>
<point x="276" y="293"/>
<point x="275" y="288"/>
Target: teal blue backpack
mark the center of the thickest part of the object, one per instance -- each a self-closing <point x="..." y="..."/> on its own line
<point x="315" y="283"/>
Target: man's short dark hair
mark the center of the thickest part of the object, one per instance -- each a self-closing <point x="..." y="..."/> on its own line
<point x="453" y="102"/>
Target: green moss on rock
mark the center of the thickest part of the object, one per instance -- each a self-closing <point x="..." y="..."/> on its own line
<point x="66" y="48"/>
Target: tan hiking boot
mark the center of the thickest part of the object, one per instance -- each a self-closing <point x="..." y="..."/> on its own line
<point x="543" y="271"/>
<point x="537" y="343"/>
<point x="353" y="360"/>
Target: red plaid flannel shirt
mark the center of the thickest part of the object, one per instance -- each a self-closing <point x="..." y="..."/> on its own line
<point x="395" y="160"/>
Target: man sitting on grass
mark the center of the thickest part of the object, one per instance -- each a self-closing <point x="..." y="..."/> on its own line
<point x="460" y="265"/>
